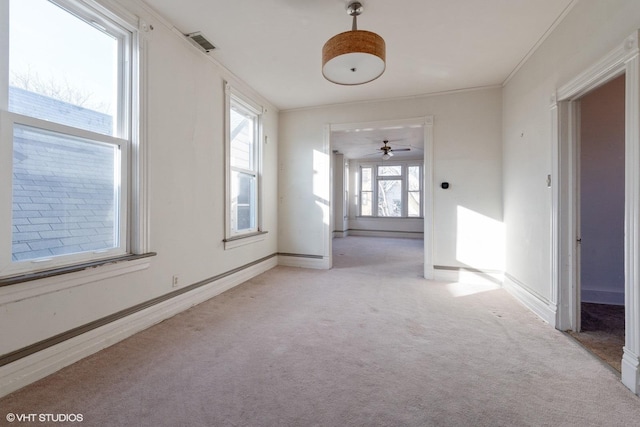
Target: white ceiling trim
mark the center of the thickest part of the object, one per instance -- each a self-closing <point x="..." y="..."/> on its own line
<point x="542" y="39"/>
<point x="396" y="98"/>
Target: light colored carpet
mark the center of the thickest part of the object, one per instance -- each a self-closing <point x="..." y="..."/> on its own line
<point x="368" y="343"/>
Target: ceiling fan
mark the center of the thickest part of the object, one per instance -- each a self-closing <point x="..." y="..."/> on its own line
<point x="387" y="151"/>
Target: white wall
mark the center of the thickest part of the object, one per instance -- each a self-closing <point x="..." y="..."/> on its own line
<point x="590" y="30"/>
<point x="467" y="153"/>
<point x="602" y="195"/>
<point x="186" y="189"/>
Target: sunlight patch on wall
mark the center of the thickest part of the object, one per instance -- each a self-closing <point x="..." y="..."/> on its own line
<point x="480" y="240"/>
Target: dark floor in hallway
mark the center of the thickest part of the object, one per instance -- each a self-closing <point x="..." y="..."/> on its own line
<point x="602" y="331"/>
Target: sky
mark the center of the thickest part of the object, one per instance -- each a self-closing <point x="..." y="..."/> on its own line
<point x="46" y="45"/>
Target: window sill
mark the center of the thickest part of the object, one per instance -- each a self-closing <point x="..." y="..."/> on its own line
<point x="245" y="239"/>
<point x="28" y="277"/>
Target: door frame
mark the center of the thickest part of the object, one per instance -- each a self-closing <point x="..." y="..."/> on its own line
<point x="427" y="124"/>
<point x="565" y="109"/>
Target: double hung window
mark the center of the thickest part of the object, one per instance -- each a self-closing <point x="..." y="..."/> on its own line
<point x="66" y="134"/>
<point x="244" y="133"/>
<point x="391" y="190"/>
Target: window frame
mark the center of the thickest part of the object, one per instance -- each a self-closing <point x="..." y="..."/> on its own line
<point x="369" y="191"/>
<point x="234" y="238"/>
<point x="132" y="218"/>
<point x="376" y="178"/>
<point x="420" y="190"/>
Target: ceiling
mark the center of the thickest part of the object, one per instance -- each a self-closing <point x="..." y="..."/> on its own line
<point x="433" y="46"/>
<point x="366" y="143"/>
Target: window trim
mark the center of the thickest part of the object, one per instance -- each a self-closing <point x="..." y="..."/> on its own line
<point x="133" y="224"/>
<point x="4" y="62"/>
<point x="403" y="177"/>
<point x="8" y="121"/>
<point x="234" y="239"/>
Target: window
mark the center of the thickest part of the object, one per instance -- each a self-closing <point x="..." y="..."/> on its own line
<point x="244" y="133"/>
<point x="395" y="190"/>
<point x="67" y="135"/>
<point x="366" y="191"/>
<point x="414" y="191"/>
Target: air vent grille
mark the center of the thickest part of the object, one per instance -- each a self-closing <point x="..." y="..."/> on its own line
<point x="201" y="41"/>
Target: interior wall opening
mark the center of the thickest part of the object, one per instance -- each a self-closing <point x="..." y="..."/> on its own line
<point x="392" y="155"/>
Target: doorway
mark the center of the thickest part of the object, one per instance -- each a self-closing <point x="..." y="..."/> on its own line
<point x="412" y="137"/>
<point x="600" y="221"/>
<point x="622" y="60"/>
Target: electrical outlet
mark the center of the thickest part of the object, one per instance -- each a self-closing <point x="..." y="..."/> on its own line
<point x="175" y="281"/>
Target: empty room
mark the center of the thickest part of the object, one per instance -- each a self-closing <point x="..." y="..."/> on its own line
<point x="332" y="213"/>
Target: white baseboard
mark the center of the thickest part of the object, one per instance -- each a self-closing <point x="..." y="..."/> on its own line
<point x="544" y="309"/>
<point x="429" y="272"/>
<point x="303" y="261"/>
<point x="381" y="233"/>
<point x="22" y="372"/>
<point x="603" y="297"/>
<point x="630" y="375"/>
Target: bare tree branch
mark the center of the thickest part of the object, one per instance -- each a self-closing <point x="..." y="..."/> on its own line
<point x="62" y="90"/>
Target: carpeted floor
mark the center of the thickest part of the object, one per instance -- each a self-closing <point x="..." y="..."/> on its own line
<point x="602" y="331"/>
<point x="368" y="343"/>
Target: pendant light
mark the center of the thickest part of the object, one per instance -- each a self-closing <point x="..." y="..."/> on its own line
<point x="353" y="57"/>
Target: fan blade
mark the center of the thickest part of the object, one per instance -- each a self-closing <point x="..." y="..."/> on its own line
<point x="401" y="149"/>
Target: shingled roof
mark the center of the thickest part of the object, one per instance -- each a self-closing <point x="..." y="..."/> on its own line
<point x="63" y="188"/>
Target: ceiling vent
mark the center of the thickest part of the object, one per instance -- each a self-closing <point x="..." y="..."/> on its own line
<point x="199" y="40"/>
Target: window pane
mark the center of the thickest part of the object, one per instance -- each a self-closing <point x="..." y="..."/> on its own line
<point x="243" y="187"/>
<point x="389" y="170"/>
<point x="414" y="178"/>
<point x="366" y="179"/>
<point x="64" y="195"/>
<point x="365" y="204"/>
<point x="390" y="197"/>
<point x="242" y="139"/>
<point x="414" y="203"/>
<point x="62" y="69"/>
